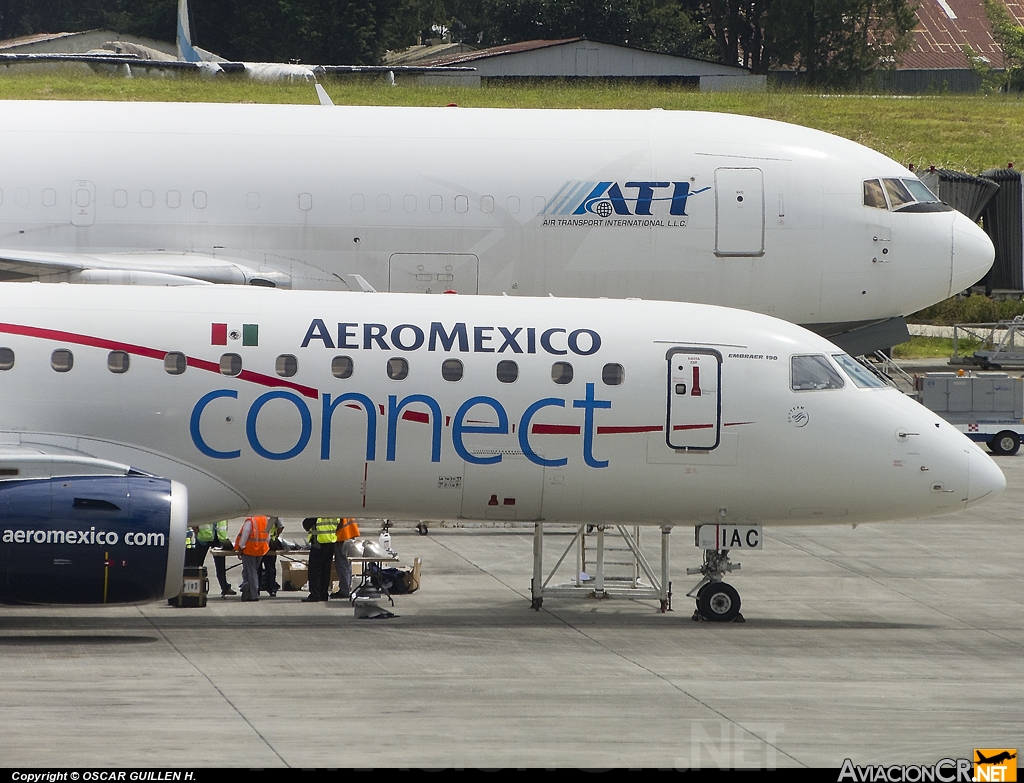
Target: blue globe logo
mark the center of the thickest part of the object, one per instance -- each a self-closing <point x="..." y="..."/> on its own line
<point x="603" y="208"/>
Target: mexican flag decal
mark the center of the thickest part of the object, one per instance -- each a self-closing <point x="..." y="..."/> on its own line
<point x="250" y="334"/>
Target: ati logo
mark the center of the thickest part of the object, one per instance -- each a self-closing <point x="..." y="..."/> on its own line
<point x="605" y="199"/>
<point x="995" y="764"/>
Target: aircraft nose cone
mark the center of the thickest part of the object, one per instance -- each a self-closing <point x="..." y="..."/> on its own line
<point x="973" y="254"/>
<point x="984" y="478"/>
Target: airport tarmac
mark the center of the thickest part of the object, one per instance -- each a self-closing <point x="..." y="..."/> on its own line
<point x="885" y="644"/>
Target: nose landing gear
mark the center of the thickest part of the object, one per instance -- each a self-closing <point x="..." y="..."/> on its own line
<point x="717" y="601"/>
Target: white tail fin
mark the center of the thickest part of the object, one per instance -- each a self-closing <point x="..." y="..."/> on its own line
<point x="186" y="51"/>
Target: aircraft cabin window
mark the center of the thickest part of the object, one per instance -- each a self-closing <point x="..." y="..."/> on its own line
<point x="513" y="204"/>
<point x="120" y="199"/>
<point x="862" y="376"/>
<point x="814" y="373"/>
<point x="175" y="363"/>
<point x="1" y="197"/>
<point x="898" y="194"/>
<point x="451" y="370"/>
<point x="613" y="374"/>
<point x="6" y="358"/>
<point x="230" y="364"/>
<point x="173" y="199"/>
<point x="409" y="202"/>
<point x="398" y="368"/>
<point x="305" y="202"/>
<point x="487" y="204"/>
<point x="49" y="197"/>
<point x="286" y="365"/>
<point x="341" y="367"/>
<point x="146" y="199"/>
<point x="199" y="199"/>
<point x="118" y="361"/>
<point x="436" y="203"/>
<point x="252" y="200"/>
<point x="561" y="372"/>
<point x="507" y="371"/>
<point x="62" y="360"/>
<point x="383" y="203"/>
<point x="461" y="204"/>
<point x="873" y="195"/>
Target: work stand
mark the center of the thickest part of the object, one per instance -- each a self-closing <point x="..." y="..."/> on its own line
<point x="609" y="563"/>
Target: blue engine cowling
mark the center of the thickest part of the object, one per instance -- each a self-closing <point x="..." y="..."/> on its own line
<point x="91" y="539"/>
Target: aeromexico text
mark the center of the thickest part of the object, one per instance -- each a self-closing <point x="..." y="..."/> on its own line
<point x="459" y="337"/>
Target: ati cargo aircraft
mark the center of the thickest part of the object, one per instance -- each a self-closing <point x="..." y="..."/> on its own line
<point x="125" y="412"/>
<point x="686" y="206"/>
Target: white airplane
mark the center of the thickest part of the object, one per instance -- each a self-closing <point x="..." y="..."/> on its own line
<point x="130" y="59"/>
<point x="686" y="206"/>
<point x="125" y="412"/>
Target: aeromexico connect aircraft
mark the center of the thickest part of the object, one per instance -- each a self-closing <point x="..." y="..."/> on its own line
<point x="125" y="412"/>
<point x="685" y="206"/>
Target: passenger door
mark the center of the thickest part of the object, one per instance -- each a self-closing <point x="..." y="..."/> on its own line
<point x="694" y="399"/>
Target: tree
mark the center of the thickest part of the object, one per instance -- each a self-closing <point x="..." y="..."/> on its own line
<point x="830" y="42"/>
<point x="1010" y="37"/>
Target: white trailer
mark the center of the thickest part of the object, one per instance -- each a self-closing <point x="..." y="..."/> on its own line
<point x="988" y="407"/>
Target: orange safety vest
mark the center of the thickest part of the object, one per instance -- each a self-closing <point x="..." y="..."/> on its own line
<point x="258" y="542"/>
<point x="348" y="529"/>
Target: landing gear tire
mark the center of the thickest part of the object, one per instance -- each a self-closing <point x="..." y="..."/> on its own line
<point x="1005" y="443"/>
<point x="718" y="602"/>
<point x="421" y="528"/>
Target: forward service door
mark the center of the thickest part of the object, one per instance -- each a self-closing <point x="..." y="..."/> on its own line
<point x="694" y="399"/>
<point x="739" y="212"/>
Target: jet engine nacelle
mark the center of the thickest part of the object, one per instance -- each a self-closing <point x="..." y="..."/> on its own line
<point x="91" y="539"/>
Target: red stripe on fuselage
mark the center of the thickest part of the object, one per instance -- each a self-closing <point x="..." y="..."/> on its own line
<point x="152" y="353"/>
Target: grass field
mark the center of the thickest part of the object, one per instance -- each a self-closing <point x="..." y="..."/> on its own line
<point x="969" y="133"/>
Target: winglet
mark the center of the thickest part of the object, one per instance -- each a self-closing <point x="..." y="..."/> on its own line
<point x="321" y="93"/>
<point x="363" y="284"/>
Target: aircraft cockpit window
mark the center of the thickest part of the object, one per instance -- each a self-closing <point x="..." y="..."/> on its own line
<point x="919" y="190"/>
<point x="117" y="362"/>
<point x="398" y="368"/>
<point x="62" y="360"/>
<point x="613" y="374"/>
<point x="175" y="363"/>
<point x="6" y="358"/>
<point x="898" y="194"/>
<point x="859" y="374"/>
<point x="230" y="364"/>
<point x="904" y="195"/>
<point x="286" y="365"/>
<point x="561" y="372"/>
<point x="341" y="367"/>
<point x="507" y="371"/>
<point x="814" y="373"/>
<point x="873" y="195"/>
<point x="451" y="370"/>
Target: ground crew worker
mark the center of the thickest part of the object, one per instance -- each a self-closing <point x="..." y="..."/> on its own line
<point x="206" y="537"/>
<point x="322" y="540"/>
<point x="347" y="528"/>
<point x="268" y="565"/>
<point x="252" y="544"/>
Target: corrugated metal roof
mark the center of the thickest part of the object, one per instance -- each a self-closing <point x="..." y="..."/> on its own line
<point x="496" y="51"/>
<point x="945" y="26"/>
<point x="31" y="39"/>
